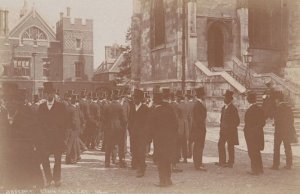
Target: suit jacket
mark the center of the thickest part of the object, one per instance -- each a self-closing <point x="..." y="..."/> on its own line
<point x="53" y="124"/>
<point x="254" y="124"/>
<point x="163" y="126"/>
<point x="284" y="122"/>
<point x="114" y="121"/>
<point x="199" y="114"/>
<point x="230" y="120"/>
<point x="137" y="123"/>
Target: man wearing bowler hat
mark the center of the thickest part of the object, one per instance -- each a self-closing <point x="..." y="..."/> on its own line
<point x="139" y="134"/>
<point x="198" y="130"/>
<point x="53" y="124"/>
<point x="228" y="130"/>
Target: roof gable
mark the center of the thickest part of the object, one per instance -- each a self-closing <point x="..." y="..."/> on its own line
<point x="33" y="18"/>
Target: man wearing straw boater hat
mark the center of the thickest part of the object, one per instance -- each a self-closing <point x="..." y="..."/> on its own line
<point x="228" y="130"/>
<point x="53" y="124"/>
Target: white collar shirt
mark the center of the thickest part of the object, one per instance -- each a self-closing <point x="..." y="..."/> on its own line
<point x="50" y="104"/>
<point x="137" y="107"/>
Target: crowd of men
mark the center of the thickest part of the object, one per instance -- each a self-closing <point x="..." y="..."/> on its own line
<point x="174" y="123"/>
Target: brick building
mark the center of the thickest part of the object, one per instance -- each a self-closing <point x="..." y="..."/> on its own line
<point x="216" y="34"/>
<point x="32" y="52"/>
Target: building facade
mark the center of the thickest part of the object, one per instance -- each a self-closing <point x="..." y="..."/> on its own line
<point x="200" y="42"/>
<point x="32" y="52"/>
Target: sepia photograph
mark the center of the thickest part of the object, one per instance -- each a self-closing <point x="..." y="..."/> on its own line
<point x="149" y="96"/>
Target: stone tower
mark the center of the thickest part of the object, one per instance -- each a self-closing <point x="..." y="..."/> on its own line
<point x="76" y="45"/>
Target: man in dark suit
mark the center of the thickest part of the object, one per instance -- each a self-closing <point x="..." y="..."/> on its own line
<point x="198" y="130"/>
<point x="163" y="126"/>
<point x="114" y="129"/>
<point x="254" y="134"/>
<point x="284" y="131"/>
<point x="53" y="124"/>
<point x="228" y="130"/>
<point x="20" y="138"/>
<point x="139" y="134"/>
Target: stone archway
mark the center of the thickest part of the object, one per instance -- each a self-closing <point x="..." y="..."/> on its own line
<point x="215" y="46"/>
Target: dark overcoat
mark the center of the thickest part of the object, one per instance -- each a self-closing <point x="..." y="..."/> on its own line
<point x="284" y="122"/>
<point x="229" y="122"/>
<point x="53" y="124"/>
<point x="20" y="159"/>
<point x="114" y="123"/>
<point x="184" y="119"/>
<point x="137" y="124"/>
<point x="254" y="124"/>
<point x="199" y="114"/>
<point x="163" y="126"/>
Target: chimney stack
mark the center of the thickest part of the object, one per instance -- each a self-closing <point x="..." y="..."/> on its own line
<point x="2" y="18"/>
<point x="68" y="11"/>
<point x="6" y="22"/>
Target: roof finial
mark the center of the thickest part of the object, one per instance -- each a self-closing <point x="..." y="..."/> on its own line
<point x="24" y="9"/>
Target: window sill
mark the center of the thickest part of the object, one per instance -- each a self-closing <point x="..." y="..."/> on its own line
<point x="159" y="47"/>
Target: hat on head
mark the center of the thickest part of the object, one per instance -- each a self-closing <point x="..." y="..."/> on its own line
<point x="228" y="94"/>
<point x="157" y="97"/>
<point x="48" y="87"/>
<point x="138" y="94"/>
<point x="35" y="98"/>
<point x="166" y="93"/>
<point x="251" y="96"/>
<point x="200" y="92"/>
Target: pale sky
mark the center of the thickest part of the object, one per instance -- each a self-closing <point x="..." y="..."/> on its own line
<point x="111" y="17"/>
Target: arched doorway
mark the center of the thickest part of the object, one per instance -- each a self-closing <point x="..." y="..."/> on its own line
<point x="215" y="46"/>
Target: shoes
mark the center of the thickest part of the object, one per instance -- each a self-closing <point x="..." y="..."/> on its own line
<point x="274" y="168"/>
<point x="229" y="165"/>
<point x="140" y="174"/>
<point x="287" y="167"/>
<point x="163" y="184"/>
<point x="253" y="173"/>
<point x="48" y="184"/>
<point x="57" y="183"/>
<point x="122" y="164"/>
<point x="223" y="165"/>
<point x="201" y="168"/>
<point x="176" y="170"/>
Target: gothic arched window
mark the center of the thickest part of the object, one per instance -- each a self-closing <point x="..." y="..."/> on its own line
<point x="158" y="25"/>
<point x="33" y="33"/>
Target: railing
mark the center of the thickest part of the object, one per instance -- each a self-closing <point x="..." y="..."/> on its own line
<point x="226" y="76"/>
<point x="257" y="80"/>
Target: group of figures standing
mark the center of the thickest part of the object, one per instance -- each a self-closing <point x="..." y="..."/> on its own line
<point x="174" y="123"/>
